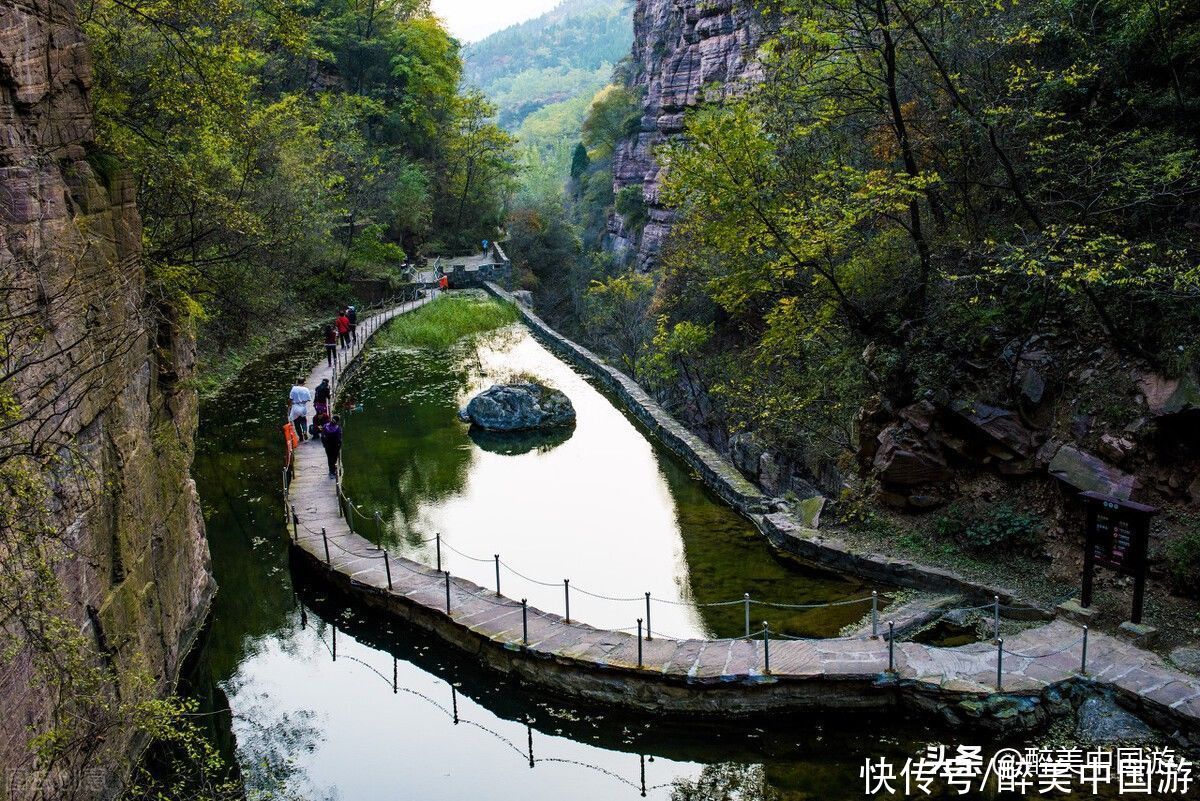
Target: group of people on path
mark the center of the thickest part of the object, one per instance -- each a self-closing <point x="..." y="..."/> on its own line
<point x="343" y="331"/>
<point x="326" y="426"/>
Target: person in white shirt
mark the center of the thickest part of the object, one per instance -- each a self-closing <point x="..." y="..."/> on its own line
<point x="300" y="397"/>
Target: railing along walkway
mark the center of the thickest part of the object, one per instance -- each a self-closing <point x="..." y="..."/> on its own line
<point x="1025" y="663"/>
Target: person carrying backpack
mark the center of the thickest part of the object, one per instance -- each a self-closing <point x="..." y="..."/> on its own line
<point x="352" y="316"/>
<point x="331" y="438"/>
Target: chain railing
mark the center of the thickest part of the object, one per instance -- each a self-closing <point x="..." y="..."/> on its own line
<point x="527" y="753"/>
<point x="350" y="512"/>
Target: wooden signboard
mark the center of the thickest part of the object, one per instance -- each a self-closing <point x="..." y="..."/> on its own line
<point x="1118" y="536"/>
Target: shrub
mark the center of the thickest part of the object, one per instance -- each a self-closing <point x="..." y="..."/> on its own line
<point x="1183" y="558"/>
<point x="998" y="528"/>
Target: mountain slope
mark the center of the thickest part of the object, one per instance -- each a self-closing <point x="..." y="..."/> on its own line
<point x="567" y="52"/>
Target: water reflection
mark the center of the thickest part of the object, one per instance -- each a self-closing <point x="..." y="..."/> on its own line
<point x="603" y="506"/>
<point x="373" y="725"/>
<point x="516" y="443"/>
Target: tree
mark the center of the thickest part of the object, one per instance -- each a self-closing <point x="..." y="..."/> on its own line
<point x="617" y="316"/>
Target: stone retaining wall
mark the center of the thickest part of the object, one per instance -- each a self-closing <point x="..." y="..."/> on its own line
<point x="782" y="530"/>
<point x="717" y="473"/>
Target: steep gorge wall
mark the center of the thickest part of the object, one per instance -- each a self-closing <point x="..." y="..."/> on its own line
<point x="95" y="403"/>
<point x="685" y="52"/>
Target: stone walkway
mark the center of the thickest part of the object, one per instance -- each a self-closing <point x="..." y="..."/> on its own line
<point x="1034" y="660"/>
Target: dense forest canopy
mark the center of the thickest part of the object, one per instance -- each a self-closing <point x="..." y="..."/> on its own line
<point x="285" y="148"/>
<point x="567" y="52"/>
<point x="937" y="180"/>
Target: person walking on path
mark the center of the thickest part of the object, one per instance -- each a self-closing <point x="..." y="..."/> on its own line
<point x="321" y="400"/>
<point x="343" y="329"/>
<point x="330" y="344"/>
<point x="443" y="283"/>
<point x="352" y="316"/>
<point x="300" y="397"/>
<point x="331" y="438"/>
<point x="290" y="443"/>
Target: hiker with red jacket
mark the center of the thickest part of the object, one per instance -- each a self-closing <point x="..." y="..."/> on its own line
<point x="343" y="329"/>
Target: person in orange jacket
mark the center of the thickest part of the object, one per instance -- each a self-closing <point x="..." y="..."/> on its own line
<point x="291" y="441"/>
<point x="443" y="283"/>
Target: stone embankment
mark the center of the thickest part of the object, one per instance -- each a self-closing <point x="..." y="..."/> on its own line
<point x="1040" y="670"/>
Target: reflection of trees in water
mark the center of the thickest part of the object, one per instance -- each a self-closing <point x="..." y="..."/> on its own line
<point x="408" y="430"/>
<point x="727" y="781"/>
<point x="273" y="749"/>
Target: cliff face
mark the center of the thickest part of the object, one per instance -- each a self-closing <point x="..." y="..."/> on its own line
<point x="94" y="404"/>
<point x="685" y="52"/>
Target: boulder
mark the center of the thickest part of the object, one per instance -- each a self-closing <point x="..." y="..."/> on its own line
<point x="1001" y="425"/>
<point x="1103" y="722"/>
<point x="1033" y="387"/>
<point x="519" y="407"/>
<point x="1083" y="471"/>
<point x="906" y="460"/>
<point x="1186" y="658"/>
<point x="745" y="451"/>
<point x="1166" y="396"/>
<point x="1115" y="448"/>
<point x="524" y="297"/>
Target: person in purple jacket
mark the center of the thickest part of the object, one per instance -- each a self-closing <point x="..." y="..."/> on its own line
<point x="331" y="438"/>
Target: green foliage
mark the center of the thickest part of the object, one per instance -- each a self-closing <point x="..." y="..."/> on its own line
<point x="630" y="203"/>
<point x="616" y="310"/>
<point x="446" y="320"/>
<point x="1183" y="556"/>
<point x="283" y="149"/>
<point x="580" y="161"/>
<point x="920" y="181"/>
<point x="567" y="52"/>
<point x="1001" y="528"/>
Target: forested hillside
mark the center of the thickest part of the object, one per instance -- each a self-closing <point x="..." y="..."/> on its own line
<point x="937" y="257"/>
<point x="566" y="53"/>
<point x="284" y="150"/>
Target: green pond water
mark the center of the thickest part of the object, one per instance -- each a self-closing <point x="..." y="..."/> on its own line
<point x="600" y="505"/>
<point x="316" y="698"/>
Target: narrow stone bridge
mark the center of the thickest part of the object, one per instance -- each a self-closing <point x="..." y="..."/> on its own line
<point x="737" y="676"/>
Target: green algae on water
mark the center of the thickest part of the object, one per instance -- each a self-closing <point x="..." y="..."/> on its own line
<point x="447" y="319"/>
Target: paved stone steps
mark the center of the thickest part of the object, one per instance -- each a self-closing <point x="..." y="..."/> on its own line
<point x="1035" y="659"/>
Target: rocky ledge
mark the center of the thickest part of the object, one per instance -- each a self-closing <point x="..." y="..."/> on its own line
<point x="519" y="407"/>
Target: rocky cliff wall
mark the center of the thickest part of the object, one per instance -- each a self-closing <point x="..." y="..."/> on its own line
<point x="96" y="417"/>
<point x="685" y="52"/>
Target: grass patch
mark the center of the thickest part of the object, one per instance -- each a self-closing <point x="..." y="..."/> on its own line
<point x="447" y="319"/>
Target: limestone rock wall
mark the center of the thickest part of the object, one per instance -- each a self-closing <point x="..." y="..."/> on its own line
<point x="685" y="52"/>
<point x="95" y="378"/>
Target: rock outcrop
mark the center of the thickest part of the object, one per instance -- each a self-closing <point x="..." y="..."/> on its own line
<point x="519" y="407"/>
<point x="96" y="406"/>
<point x="685" y="52"/>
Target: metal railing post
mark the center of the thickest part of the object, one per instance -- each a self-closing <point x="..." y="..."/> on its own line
<point x="379" y="526"/>
<point x="447" y="574"/>
<point x="746" y="603"/>
<point x="567" y="600"/>
<point x="497" y="557"/>
<point x="891" y="646"/>
<point x="295" y="525"/>
<point x="387" y="567"/>
<point x="999" y="665"/>
<point x="639" y="642"/>
<point x="766" y="647"/>
<point x="525" y="621"/>
<point x="1083" y="658"/>
<point x="874" y="613"/>
<point x="996" y="616"/>
<point x="439" y="552"/>
<point x="325" y="539"/>
<point x="649" y="636"/>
